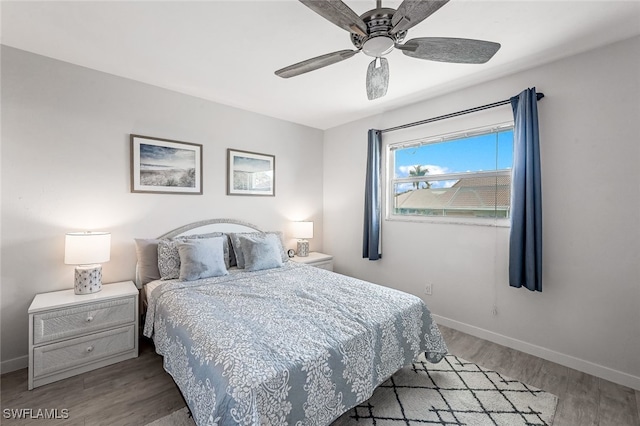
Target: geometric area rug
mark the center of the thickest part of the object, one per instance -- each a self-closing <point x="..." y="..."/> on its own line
<point x="452" y="392"/>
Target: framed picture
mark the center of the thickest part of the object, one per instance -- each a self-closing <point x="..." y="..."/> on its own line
<point x="250" y="173"/>
<point x="164" y="166"/>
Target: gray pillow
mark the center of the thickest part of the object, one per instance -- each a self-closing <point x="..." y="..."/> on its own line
<point x="147" y="253"/>
<point x="225" y="245"/>
<point x="261" y="251"/>
<point x="237" y="245"/>
<point x="169" y="259"/>
<point x="201" y="258"/>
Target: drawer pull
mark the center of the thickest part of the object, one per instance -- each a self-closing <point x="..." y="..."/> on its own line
<point x="90" y="349"/>
<point x="89" y="319"/>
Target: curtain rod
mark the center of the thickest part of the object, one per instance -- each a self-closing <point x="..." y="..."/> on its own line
<point x="454" y="114"/>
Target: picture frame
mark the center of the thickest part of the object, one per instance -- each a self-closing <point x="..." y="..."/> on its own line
<point x="250" y="173"/>
<point x="165" y="166"/>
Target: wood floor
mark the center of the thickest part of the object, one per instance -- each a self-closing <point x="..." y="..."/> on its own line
<point x="138" y="391"/>
<point x="584" y="400"/>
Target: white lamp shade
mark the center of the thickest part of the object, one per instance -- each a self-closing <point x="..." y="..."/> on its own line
<point x="86" y="248"/>
<point x="302" y="230"/>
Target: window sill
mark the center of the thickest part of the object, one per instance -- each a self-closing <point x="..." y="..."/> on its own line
<point x="497" y="223"/>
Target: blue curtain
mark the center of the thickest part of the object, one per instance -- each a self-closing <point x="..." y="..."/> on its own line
<point x="525" y="249"/>
<point x="371" y="234"/>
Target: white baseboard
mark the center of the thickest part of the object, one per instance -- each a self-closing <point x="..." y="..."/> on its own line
<point x="541" y="352"/>
<point x="14" y="364"/>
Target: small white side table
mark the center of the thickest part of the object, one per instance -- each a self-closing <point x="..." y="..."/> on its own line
<point x="70" y="334"/>
<point x="319" y="260"/>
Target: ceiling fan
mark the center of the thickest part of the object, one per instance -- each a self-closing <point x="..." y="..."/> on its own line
<point x="379" y="31"/>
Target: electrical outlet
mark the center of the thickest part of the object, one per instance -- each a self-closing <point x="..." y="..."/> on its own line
<point x="427" y="289"/>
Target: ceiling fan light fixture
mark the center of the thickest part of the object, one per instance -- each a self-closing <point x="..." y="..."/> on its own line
<point x="378" y="46"/>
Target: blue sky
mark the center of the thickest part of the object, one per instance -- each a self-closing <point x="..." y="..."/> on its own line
<point x="461" y="155"/>
<point x="164" y="157"/>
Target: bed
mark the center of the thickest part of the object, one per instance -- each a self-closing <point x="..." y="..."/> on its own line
<point x="283" y="345"/>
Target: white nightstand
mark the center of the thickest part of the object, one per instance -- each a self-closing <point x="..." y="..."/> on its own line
<point x="71" y="334"/>
<point x="319" y="260"/>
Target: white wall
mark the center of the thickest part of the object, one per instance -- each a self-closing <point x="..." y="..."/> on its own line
<point x="65" y="167"/>
<point x="588" y="315"/>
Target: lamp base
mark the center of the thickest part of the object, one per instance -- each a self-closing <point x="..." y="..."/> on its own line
<point x="303" y="248"/>
<point x="88" y="279"/>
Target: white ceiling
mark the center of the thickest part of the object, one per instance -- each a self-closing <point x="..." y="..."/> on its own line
<point x="227" y="51"/>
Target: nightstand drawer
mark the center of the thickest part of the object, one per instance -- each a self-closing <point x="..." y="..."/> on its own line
<point x="82" y="350"/>
<point x="65" y="323"/>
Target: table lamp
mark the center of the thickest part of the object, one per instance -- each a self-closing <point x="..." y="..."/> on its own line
<point x="87" y="250"/>
<point x="302" y="231"/>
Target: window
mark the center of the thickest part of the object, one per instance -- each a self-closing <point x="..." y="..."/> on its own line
<point x="461" y="175"/>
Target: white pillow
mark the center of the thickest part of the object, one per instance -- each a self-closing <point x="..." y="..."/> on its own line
<point x="201" y="258"/>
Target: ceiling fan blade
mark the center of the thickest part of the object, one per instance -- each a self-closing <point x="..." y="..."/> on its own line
<point x="412" y="12"/>
<point x="339" y="13"/>
<point x="377" y="79"/>
<point x="456" y="50"/>
<point x="315" y="63"/>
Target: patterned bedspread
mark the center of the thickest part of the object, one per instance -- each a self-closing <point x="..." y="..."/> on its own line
<point x="295" y="345"/>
